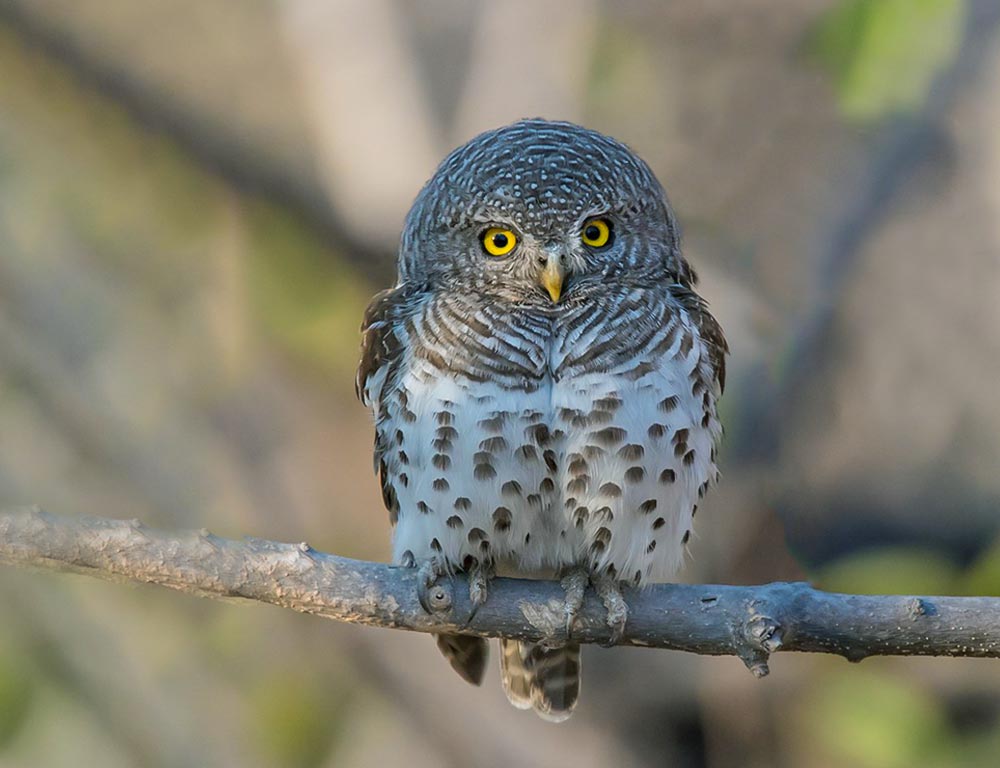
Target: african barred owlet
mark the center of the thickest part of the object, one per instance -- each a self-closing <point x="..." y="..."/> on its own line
<point x="543" y="379"/>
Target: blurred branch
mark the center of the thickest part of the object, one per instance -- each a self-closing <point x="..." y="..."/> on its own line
<point x="749" y="622"/>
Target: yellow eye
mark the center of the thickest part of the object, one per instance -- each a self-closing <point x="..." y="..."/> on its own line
<point x="499" y="242"/>
<point x="596" y="233"/>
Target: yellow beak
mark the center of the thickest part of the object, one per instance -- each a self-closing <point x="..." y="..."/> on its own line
<point x="552" y="277"/>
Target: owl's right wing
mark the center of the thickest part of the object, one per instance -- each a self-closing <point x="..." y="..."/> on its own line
<point x="383" y="343"/>
<point x="384" y="340"/>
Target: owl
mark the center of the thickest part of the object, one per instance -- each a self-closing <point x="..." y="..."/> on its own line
<point x="544" y="380"/>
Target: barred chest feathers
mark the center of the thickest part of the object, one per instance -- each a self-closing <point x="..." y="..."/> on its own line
<point x="539" y="441"/>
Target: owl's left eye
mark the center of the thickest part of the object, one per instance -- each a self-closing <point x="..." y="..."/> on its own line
<point x="498" y="241"/>
<point x="597" y="233"/>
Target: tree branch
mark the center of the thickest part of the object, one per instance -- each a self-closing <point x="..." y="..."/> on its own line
<point x="749" y="622"/>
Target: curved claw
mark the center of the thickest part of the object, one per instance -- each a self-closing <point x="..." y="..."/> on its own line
<point x="479" y="579"/>
<point x="575" y="583"/>
<point x="610" y="592"/>
<point x="433" y="597"/>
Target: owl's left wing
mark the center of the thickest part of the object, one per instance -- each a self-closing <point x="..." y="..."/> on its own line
<point x="708" y="329"/>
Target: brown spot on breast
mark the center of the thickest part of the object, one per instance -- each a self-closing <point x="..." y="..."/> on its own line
<point x="609" y="436"/>
<point x="482" y="457"/>
<point x="511" y="488"/>
<point x="668" y="476"/>
<point x="469" y="562"/>
<point x="494" y="423"/>
<point x="578" y="485"/>
<point x="477" y="535"/>
<point x="649" y="505"/>
<point x="454" y="521"/>
<point x="442" y="444"/>
<point x="462" y="503"/>
<point x="441" y="461"/>
<point x="440" y="484"/>
<point x="484" y="472"/>
<point x="423" y="508"/>
<point x="569" y="503"/>
<point x="534" y="500"/>
<point x="444" y="418"/>
<point x="604" y="515"/>
<point x="493" y="444"/>
<point x="403" y="458"/>
<point x="705" y="419"/>
<point x="600" y="417"/>
<point x="656" y="431"/>
<point x="580" y="515"/>
<point x="667" y="404"/>
<point x="539" y="433"/>
<point x="446" y="433"/>
<point x="435" y="545"/>
<point x="689" y="458"/>
<point x="501" y="519"/>
<point x="681" y="436"/>
<point x="680" y="449"/>
<point x="610" y="403"/>
<point x="686" y="537"/>
<point x="651" y="548"/>
<point x="603" y="535"/>
<point x="407" y="560"/>
<point x="404" y="479"/>
<point x="527" y="453"/>
<point x="611" y="489"/>
<point x="658" y="523"/>
<point x="577" y="464"/>
<point x="409" y="416"/>
<point x="631" y="452"/>
<point x="593" y="451"/>
<point x="399" y="437"/>
<point x="547" y="485"/>
<point x="634" y="474"/>
<point x="549" y="456"/>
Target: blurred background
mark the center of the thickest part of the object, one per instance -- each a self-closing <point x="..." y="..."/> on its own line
<point x="197" y="200"/>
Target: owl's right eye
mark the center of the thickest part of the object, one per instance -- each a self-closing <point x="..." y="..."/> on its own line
<point x="499" y="242"/>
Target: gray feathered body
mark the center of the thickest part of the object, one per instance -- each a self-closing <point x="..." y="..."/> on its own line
<point x="533" y="435"/>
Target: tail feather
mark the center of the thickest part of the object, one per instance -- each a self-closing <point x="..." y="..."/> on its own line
<point x="467" y="655"/>
<point x="544" y="679"/>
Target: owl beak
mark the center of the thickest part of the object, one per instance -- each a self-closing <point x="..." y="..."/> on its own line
<point x="553" y="276"/>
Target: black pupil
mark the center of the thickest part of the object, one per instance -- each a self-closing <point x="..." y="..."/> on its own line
<point x="593" y="232"/>
<point x="500" y="240"/>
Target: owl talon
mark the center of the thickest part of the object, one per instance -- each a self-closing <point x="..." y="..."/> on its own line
<point x="433" y="597"/>
<point x="479" y="580"/>
<point x="575" y="584"/>
<point x="610" y="591"/>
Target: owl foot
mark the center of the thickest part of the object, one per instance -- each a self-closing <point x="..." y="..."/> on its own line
<point x="479" y="581"/>
<point x="433" y="597"/>
<point x="610" y="591"/>
<point x="575" y="583"/>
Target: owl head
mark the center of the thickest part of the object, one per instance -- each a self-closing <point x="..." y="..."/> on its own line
<point x="540" y="213"/>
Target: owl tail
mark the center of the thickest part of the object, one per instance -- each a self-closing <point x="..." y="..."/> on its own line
<point x="467" y="655"/>
<point x="544" y="679"/>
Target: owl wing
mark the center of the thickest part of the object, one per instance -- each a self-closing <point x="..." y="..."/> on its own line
<point x="383" y="351"/>
<point x="709" y="331"/>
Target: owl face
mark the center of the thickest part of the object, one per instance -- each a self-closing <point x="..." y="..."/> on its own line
<point x="540" y="213"/>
